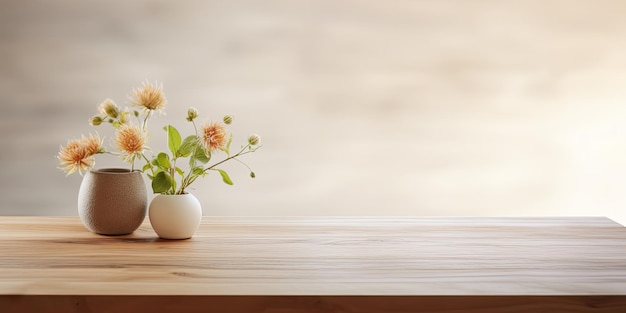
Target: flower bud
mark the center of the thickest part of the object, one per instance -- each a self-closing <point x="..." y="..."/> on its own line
<point x="228" y="119"/>
<point x="123" y="117"/>
<point x="192" y="113"/>
<point x="95" y="121"/>
<point x="254" y="139"/>
<point x="109" y="108"/>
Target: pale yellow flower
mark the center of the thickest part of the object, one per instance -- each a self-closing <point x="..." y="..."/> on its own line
<point x="214" y="136"/>
<point x="78" y="154"/>
<point x="130" y="139"/>
<point x="150" y="97"/>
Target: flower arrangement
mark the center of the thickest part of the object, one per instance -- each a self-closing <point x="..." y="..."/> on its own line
<point x="163" y="169"/>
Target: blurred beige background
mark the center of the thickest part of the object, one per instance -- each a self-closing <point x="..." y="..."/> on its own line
<point x="461" y="107"/>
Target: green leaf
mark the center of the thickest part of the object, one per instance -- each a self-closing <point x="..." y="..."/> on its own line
<point x="227" y="149"/>
<point x="187" y="146"/>
<point x="146" y="167"/>
<point x="198" y="171"/>
<point x="162" y="183"/>
<point x="180" y="171"/>
<point x="173" y="139"/>
<point x="201" y="156"/>
<point x="163" y="161"/>
<point x="225" y="177"/>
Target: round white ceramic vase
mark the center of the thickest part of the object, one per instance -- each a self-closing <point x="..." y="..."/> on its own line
<point x="175" y="216"/>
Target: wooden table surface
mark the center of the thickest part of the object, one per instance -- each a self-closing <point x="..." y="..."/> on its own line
<point x="318" y="264"/>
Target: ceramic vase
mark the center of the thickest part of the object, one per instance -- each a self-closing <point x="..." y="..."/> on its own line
<point x="112" y="201"/>
<point x="175" y="216"/>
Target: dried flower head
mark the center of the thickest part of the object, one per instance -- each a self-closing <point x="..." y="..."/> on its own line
<point x="92" y="144"/>
<point x="228" y="119"/>
<point x="78" y="154"/>
<point x="254" y="139"/>
<point x="130" y="139"/>
<point x="192" y="113"/>
<point x="95" y="121"/>
<point x="109" y="108"/>
<point x="149" y="97"/>
<point x="214" y="136"/>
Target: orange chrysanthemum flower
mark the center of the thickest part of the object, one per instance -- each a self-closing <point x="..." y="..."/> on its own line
<point x="78" y="154"/>
<point x="150" y="97"/>
<point x="214" y="136"/>
<point x="93" y="144"/>
<point x="130" y="139"/>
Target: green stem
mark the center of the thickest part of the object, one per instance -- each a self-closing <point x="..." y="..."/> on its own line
<point x="145" y="120"/>
<point x="187" y="180"/>
<point x="148" y="162"/>
<point x="244" y="164"/>
<point x="173" y="173"/>
<point x="194" y="127"/>
<point x="241" y="152"/>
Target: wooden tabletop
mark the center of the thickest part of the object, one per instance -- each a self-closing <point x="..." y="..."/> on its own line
<point x="576" y="257"/>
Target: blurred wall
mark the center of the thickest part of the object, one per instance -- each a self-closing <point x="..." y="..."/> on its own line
<point x="364" y="107"/>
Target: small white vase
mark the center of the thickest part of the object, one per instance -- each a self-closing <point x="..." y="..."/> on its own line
<point x="175" y="216"/>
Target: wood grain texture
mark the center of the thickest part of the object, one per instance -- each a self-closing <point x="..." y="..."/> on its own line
<point x="321" y="264"/>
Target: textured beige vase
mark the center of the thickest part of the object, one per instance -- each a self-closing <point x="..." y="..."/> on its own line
<point x="112" y="201"/>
